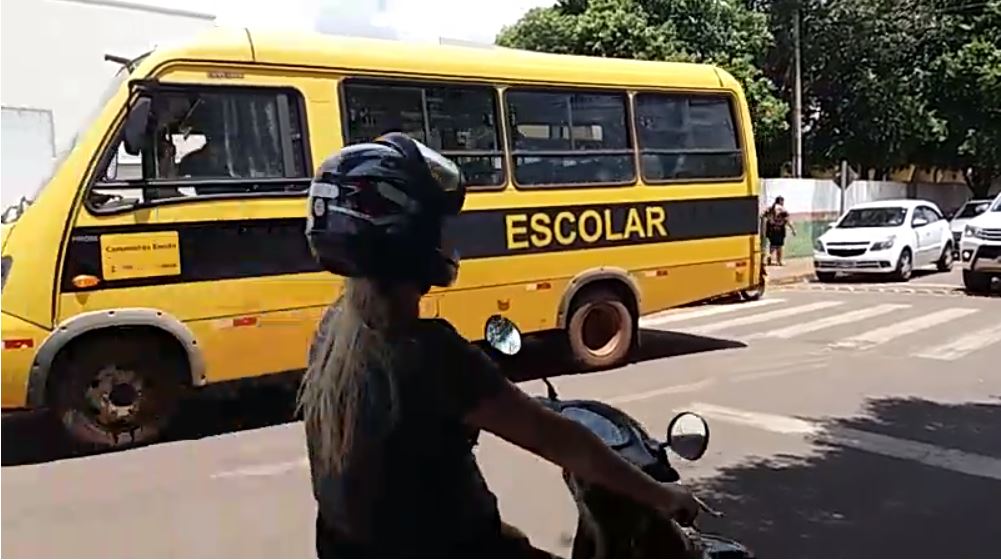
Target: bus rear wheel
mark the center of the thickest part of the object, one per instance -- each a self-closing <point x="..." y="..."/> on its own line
<point x="601" y="329"/>
<point x="116" y="390"/>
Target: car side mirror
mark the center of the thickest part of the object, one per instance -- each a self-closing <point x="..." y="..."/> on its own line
<point x="136" y="123"/>
<point x="831" y="225"/>
<point x="919" y="222"/>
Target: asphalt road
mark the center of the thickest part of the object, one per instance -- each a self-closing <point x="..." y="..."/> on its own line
<point x="861" y="423"/>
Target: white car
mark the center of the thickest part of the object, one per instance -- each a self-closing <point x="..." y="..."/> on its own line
<point x="888" y="236"/>
<point x="969" y="210"/>
<point x="980" y="249"/>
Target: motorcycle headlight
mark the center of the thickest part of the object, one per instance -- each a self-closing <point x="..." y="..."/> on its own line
<point x="818" y="246"/>
<point x="972" y="231"/>
<point x="884" y="244"/>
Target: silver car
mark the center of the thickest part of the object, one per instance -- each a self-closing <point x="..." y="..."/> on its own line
<point x="971" y="209"/>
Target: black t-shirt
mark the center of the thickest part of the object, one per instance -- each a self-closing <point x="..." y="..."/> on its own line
<point x="417" y="487"/>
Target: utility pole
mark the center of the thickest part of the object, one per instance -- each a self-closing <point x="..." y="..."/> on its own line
<point x="797" y="102"/>
<point x="844" y="186"/>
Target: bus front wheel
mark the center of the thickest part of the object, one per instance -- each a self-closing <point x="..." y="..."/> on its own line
<point x="601" y="329"/>
<point x="114" y="390"/>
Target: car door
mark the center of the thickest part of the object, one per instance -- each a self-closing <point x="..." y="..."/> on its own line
<point x="920" y="223"/>
<point x="939" y="233"/>
<point x="930" y="235"/>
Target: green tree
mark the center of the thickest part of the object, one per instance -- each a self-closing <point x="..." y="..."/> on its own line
<point x="721" y="32"/>
<point x="966" y="91"/>
<point x="865" y="66"/>
<point x="888" y="83"/>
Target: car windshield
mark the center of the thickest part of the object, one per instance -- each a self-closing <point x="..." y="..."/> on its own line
<point x="973" y="209"/>
<point x="997" y="205"/>
<point x="873" y="217"/>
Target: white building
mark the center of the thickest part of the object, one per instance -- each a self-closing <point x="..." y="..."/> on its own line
<point x="54" y="72"/>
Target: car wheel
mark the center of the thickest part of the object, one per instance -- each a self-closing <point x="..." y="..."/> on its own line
<point x="947" y="259"/>
<point x="905" y="266"/>
<point x="116" y="390"/>
<point x="601" y="329"/>
<point x="976" y="282"/>
<point x="826" y="276"/>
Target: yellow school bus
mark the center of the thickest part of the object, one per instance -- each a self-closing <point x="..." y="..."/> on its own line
<point x="166" y="252"/>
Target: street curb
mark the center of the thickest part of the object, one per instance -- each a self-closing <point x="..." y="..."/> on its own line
<point x="791" y="279"/>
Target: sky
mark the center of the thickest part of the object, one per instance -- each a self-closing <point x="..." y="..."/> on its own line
<point x="416" y="20"/>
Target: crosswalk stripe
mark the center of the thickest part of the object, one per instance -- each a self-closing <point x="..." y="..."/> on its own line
<point x="762" y="317"/>
<point x="885" y="334"/>
<point x="959" y="347"/>
<point x="708" y="311"/>
<point x="832" y="321"/>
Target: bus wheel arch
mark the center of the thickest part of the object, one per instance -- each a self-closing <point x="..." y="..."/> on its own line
<point x="115" y="380"/>
<point x="600" y="315"/>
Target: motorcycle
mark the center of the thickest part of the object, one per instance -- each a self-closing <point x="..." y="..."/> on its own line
<point x="609" y="525"/>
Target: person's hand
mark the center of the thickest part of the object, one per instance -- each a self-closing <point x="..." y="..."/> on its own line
<point x="680" y="504"/>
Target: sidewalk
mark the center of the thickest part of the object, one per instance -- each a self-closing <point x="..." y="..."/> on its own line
<point x="795" y="270"/>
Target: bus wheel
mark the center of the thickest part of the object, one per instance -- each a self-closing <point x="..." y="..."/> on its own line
<point x="601" y="329"/>
<point x="753" y="294"/>
<point x="117" y="390"/>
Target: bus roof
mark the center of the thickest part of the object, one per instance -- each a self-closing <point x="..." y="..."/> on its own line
<point x="488" y="63"/>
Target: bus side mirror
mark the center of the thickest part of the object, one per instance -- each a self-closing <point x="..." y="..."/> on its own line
<point x="135" y="126"/>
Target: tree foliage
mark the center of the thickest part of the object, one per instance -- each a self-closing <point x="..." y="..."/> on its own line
<point x="966" y="87"/>
<point x="888" y="83"/>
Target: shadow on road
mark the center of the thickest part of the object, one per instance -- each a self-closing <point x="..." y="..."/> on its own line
<point x="843" y="502"/>
<point x="549" y="356"/>
<point x="917" y="274"/>
<point x="31" y="438"/>
<point x="36" y="437"/>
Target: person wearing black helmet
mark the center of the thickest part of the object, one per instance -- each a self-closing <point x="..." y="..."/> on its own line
<point x="393" y="404"/>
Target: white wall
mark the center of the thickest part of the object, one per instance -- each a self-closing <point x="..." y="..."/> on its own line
<point x="822" y="196"/>
<point x="52" y="58"/>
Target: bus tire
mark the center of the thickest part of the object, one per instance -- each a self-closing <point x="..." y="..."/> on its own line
<point x="116" y="389"/>
<point x="753" y="294"/>
<point x="601" y="329"/>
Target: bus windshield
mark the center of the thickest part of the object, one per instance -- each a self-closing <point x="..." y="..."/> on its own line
<point x="14" y="212"/>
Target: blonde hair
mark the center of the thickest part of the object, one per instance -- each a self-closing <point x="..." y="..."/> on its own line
<point x="356" y="349"/>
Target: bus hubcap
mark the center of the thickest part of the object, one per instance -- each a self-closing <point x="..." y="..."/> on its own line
<point x="115" y="395"/>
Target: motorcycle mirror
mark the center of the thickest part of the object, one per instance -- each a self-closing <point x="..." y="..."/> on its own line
<point x="502" y="334"/>
<point x="688" y="435"/>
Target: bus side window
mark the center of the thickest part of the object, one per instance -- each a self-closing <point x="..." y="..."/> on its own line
<point x="206" y="141"/>
<point x="684" y="136"/>
<point x="569" y="138"/>
<point x="458" y="121"/>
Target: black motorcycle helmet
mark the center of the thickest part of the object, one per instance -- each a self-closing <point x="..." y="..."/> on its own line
<point x="377" y="210"/>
